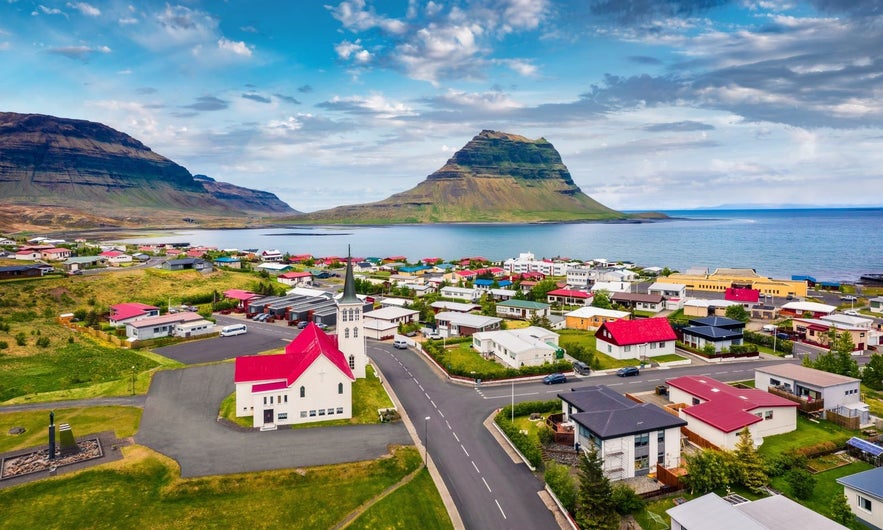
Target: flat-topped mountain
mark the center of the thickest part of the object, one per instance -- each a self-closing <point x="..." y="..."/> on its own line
<point x="83" y="168"/>
<point x="496" y="177"/>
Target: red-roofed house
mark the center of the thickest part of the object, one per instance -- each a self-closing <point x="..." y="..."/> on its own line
<point x="129" y="311"/>
<point x="28" y="255"/>
<point x="242" y="297"/>
<point x="115" y="257"/>
<point x="568" y="297"/>
<point x="745" y="296"/>
<point x="295" y="279"/>
<point x="55" y="254"/>
<point x="310" y="382"/>
<point x="717" y="411"/>
<point x="636" y="339"/>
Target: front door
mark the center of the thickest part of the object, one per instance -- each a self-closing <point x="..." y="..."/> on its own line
<point x="268" y="416"/>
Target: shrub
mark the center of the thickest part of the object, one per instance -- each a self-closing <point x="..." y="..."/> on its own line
<point x="820" y="448"/>
<point x="560" y="481"/>
<point x="3" y="345"/>
<point x="43" y="342"/>
<point x="529" y="448"/>
<point x="545" y="434"/>
<point x="625" y="500"/>
<point x="21" y="339"/>
<point x="777" y="465"/>
<point x="802" y="483"/>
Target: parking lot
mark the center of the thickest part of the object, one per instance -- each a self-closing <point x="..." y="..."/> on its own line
<point x="260" y="337"/>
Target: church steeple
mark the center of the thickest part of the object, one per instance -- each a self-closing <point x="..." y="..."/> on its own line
<point x="349" y="283"/>
<point x="350" y="324"/>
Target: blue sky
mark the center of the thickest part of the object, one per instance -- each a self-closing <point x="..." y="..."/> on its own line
<point x="653" y="104"/>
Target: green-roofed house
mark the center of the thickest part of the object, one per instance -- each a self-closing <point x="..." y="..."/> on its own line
<point x="83" y="262"/>
<point x="522" y="309"/>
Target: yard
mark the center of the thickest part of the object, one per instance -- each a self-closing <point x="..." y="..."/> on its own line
<point x="874" y="399"/>
<point x="807" y="433"/>
<point x="123" y="421"/>
<point x="571" y="339"/>
<point x="826" y="487"/>
<point x="464" y="358"/>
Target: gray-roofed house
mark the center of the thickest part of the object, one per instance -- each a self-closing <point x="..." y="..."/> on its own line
<point x="631" y="438"/>
<point x="711" y="512"/>
<point x="720" y="332"/>
<point x="808" y="385"/>
<point x="530" y="346"/>
<point x="522" y="309"/>
<point x="453" y="324"/>
<point x="864" y="492"/>
<point x="187" y="263"/>
<point x="384" y="322"/>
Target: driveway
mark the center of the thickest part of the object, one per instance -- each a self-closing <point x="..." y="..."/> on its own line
<point x="180" y="421"/>
<point x="260" y="338"/>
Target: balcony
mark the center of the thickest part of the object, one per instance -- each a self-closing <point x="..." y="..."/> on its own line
<point x="805" y="404"/>
<point x="562" y="430"/>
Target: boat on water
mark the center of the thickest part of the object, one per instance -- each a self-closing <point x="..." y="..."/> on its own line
<point x="873" y="279"/>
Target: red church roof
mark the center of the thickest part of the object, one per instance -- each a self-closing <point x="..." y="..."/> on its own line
<point x="642" y="331"/>
<point x="299" y="355"/>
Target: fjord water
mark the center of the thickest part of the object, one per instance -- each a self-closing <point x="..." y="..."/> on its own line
<point x="829" y="244"/>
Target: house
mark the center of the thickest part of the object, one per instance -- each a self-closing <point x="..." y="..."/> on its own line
<point x="230" y="262"/>
<point x="28" y="255"/>
<point x="875" y="305"/>
<point x="817" y="330"/>
<point x="274" y="268"/>
<point x="460" y="293"/>
<point x="295" y="278"/>
<point x="568" y="297"/>
<point x="501" y="295"/>
<point x="187" y="263"/>
<point x="711" y="512"/>
<point x="717" y="411"/>
<point x="720" y="332"/>
<point x="707" y="308"/>
<point x="636" y="339"/>
<point x="194" y="329"/>
<point x="21" y="271"/>
<point x="115" y="258"/>
<point x="804" y="385"/>
<point x="383" y="323"/>
<point x="55" y="254"/>
<point x="310" y="382"/>
<point x="444" y="305"/>
<point x="650" y="303"/>
<point x="742" y="295"/>
<point x="591" y="318"/>
<point x="530" y="346"/>
<point x="864" y="492"/>
<point x="78" y="263"/>
<point x="271" y="255"/>
<point x="631" y="438"/>
<point x="668" y="290"/>
<point x="129" y="311"/>
<point x="527" y="262"/>
<point x="804" y="309"/>
<point x="522" y="309"/>
<point x="159" y="326"/>
<point x="450" y="323"/>
<point x="611" y="287"/>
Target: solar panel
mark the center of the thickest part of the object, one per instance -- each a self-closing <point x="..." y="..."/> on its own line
<point x="865" y="446"/>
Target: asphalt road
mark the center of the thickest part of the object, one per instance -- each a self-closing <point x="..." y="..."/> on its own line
<point x="491" y="491"/>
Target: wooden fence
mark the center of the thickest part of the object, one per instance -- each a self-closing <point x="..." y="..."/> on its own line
<point x="673" y="478"/>
<point x="803" y="405"/>
<point x="846" y="422"/>
<point x="698" y="440"/>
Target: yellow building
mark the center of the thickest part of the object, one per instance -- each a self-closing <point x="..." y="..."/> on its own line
<point x="722" y="279"/>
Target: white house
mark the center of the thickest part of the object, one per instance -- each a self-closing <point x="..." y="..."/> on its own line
<point x="115" y="258"/>
<point x="464" y="324"/>
<point x="530" y="346"/>
<point x="522" y="309"/>
<point x="717" y="411"/>
<point x="527" y="262"/>
<point x="271" y="255"/>
<point x="295" y="278"/>
<point x="274" y="267"/>
<point x="160" y="326"/>
<point x="875" y="305"/>
<point x="460" y="293"/>
<point x="459" y="307"/>
<point x="194" y="329"/>
<point x="581" y="276"/>
<point x="837" y="391"/>
<point x="384" y="322"/>
<point x="864" y="492"/>
<point x="630" y="438"/>
<point x="310" y="382"/>
<point x="612" y="287"/>
<point x="674" y="294"/>
<point x="710" y="512"/>
<point x="636" y="339"/>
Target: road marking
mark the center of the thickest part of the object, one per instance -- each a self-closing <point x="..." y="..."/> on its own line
<point x="421" y="386"/>
<point x="427" y="396"/>
<point x="501" y="508"/>
<point x="476" y="467"/>
<point x="456" y="437"/>
<point x="509" y="396"/>
<point x="433" y="404"/>
<point x="485" y="485"/>
<point x="614" y="384"/>
<point x="440" y="414"/>
<point x="448" y="424"/>
<point x="415" y="380"/>
<point x="653" y="379"/>
<point x="464" y="449"/>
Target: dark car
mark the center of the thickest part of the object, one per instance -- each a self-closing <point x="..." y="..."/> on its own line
<point x="628" y="371"/>
<point x="554" y="379"/>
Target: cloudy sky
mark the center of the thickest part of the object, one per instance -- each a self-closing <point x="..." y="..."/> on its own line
<point x="653" y="104"/>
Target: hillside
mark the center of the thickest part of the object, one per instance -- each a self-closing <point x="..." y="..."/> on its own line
<point x="496" y="178"/>
<point x="89" y="170"/>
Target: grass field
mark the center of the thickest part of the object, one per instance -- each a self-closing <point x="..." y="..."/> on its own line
<point x="464" y="357"/>
<point x="668" y="358"/>
<point x="874" y="399"/>
<point x="415" y="505"/>
<point x="145" y="491"/>
<point x="123" y="421"/>
<point x="807" y="433"/>
<point x="826" y="487"/>
<point x="586" y="340"/>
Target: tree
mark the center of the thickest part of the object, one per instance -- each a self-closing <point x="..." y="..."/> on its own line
<point x="541" y="290"/>
<point x="872" y="374"/>
<point x="558" y="478"/>
<point x="838" y="359"/>
<point x="738" y="312"/>
<point x="594" y="498"/>
<point x="750" y="468"/>
<point x="707" y="471"/>
<point x="802" y="483"/>
<point x="602" y="300"/>
<point x="840" y="510"/>
<point x="625" y="500"/>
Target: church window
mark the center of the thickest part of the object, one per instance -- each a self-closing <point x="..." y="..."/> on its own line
<point x="356" y="333"/>
<point x="352" y="362"/>
<point x="346" y="333"/>
<point x="303" y="391"/>
<point x="340" y="388"/>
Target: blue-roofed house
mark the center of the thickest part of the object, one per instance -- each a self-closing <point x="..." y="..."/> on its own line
<point x="864" y="492"/>
<point x="227" y="261"/>
<point x="720" y="332"/>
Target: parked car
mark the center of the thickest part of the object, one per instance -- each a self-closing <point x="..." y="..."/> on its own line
<point x="783" y="336"/>
<point x="434" y="335"/>
<point x="302" y="324"/>
<point x="554" y="379"/>
<point x="848" y="298"/>
<point x="627" y="371"/>
<point x="400" y="344"/>
<point x="581" y="368"/>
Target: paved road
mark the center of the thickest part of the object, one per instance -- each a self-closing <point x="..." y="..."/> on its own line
<point x="128" y="401"/>
<point x="180" y="421"/>
<point x="491" y="491"/>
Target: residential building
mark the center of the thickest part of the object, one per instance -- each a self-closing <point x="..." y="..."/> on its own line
<point x="718" y="412"/>
<point x="115" y="258"/>
<point x="383" y="323"/>
<point x="530" y="346"/>
<point x="590" y="318"/>
<point x="129" y="311"/>
<point x="458" y="307"/>
<point x="611" y="287"/>
<point x="226" y="261"/>
<point x="55" y="254"/>
<point x="649" y="303"/>
<point x="527" y="262"/>
<point x="630" y="438"/>
<point x="711" y="512"/>
<point x="724" y="278"/>
<point x="817" y="330"/>
<point x="159" y="326"/>
<point x="28" y="255"/>
<point x="501" y="295"/>
<point x="568" y="297"/>
<point x="274" y="268"/>
<point x="636" y="339"/>
<point x="522" y="309"/>
<point x="720" y="332"/>
<point x="295" y="278"/>
<point x="271" y="255"/>
<point x="875" y="305"/>
<point x="806" y="309"/>
<point x="464" y="324"/>
<point x="707" y="308"/>
<point x="187" y="263"/>
<point x="673" y="294"/>
<point x="310" y="382"/>
<point x="581" y="276"/>
<point x="864" y="492"/>
<point x="21" y="271"/>
<point x="461" y="293"/>
<point x="835" y="392"/>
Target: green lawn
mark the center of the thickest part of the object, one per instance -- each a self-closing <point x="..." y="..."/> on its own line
<point x="123" y="421"/>
<point x="668" y="358"/>
<point x="826" y="487"/>
<point x="145" y="491"/>
<point x="807" y="433"/>
<point x="874" y="399"/>
<point x="464" y="357"/>
<point x="417" y="504"/>
<point x="586" y="339"/>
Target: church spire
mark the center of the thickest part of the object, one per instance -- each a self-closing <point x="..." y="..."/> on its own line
<point x="349" y="283"/>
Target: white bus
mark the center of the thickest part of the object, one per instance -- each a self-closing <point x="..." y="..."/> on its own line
<point x="236" y="329"/>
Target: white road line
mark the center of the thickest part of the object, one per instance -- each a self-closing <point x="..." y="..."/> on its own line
<point x="485" y="484"/>
<point x="427" y="396"/>
<point x="440" y="414"/>
<point x="509" y="396"/>
<point x="501" y="508"/>
<point x="653" y="379"/>
<point x="433" y="404"/>
<point x="614" y="384"/>
<point x="449" y="425"/>
<point x="456" y="437"/>
<point x="421" y="386"/>
<point x="476" y="467"/>
<point x="415" y="379"/>
<point x="464" y="449"/>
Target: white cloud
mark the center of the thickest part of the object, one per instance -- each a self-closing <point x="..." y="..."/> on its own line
<point x="84" y="8"/>
<point x="127" y="21"/>
<point x="47" y="11"/>
<point x="346" y="49"/>
<point x="353" y="15"/>
<point x="236" y="47"/>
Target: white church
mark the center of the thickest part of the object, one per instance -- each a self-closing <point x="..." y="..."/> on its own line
<point x="312" y="381"/>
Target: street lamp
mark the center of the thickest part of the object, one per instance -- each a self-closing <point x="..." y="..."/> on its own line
<point x="425" y="440"/>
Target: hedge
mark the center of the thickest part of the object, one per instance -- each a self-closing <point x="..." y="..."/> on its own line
<point x="764" y="339"/>
<point x="434" y="349"/>
<point x="528" y="446"/>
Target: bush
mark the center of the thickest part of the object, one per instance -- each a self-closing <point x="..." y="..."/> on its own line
<point x="545" y="434"/>
<point x="763" y="339"/>
<point x="625" y="500"/>
<point x="529" y="448"/>
<point x="43" y="342"/>
<point x="560" y="481"/>
<point x="777" y="465"/>
<point x="820" y="448"/>
<point x="802" y="483"/>
<point x="3" y="344"/>
<point x="21" y="339"/>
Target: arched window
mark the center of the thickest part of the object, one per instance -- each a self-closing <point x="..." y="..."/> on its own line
<point x="346" y="333"/>
<point x="356" y="314"/>
<point x="303" y="391"/>
<point x="340" y="388"/>
<point x="356" y="332"/>
<point x="352" y="362"/>
<point x="344" y="315"/>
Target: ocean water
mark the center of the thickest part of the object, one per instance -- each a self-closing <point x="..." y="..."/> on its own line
<point x="829" y="244"/>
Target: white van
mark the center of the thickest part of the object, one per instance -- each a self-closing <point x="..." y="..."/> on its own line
<point x="770" y="328"/>
<point x="235" y="329"/>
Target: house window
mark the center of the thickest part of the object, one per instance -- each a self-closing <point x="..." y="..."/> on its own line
<point x="303" y="414"/>
<point x="340" y="410"/>
<point x="312" y="413"/>
<point x="265" y="400"/>
<point x="641" y="440"/>
<point x="330" y="412"/>
<point x="695" y="401"/>
<point x="626" y="348"/>
<point x="662" y="345"/>
<point x="282" y="416"/>
<point x="321" y="412"/>
<point x="352" y="362"/>
<point x="775" y="382"/>
<point x="609" y="349"/>
<point x="768" y="415"/>
<point x="286" y="398"/>
<point x="303" y="391"/>
<point x="863" y="503"/>
<point x="271" y="400"/>
<point x="340" y="388"/>
<point x="642" y="462"/>
<point x="660" y="437"/>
